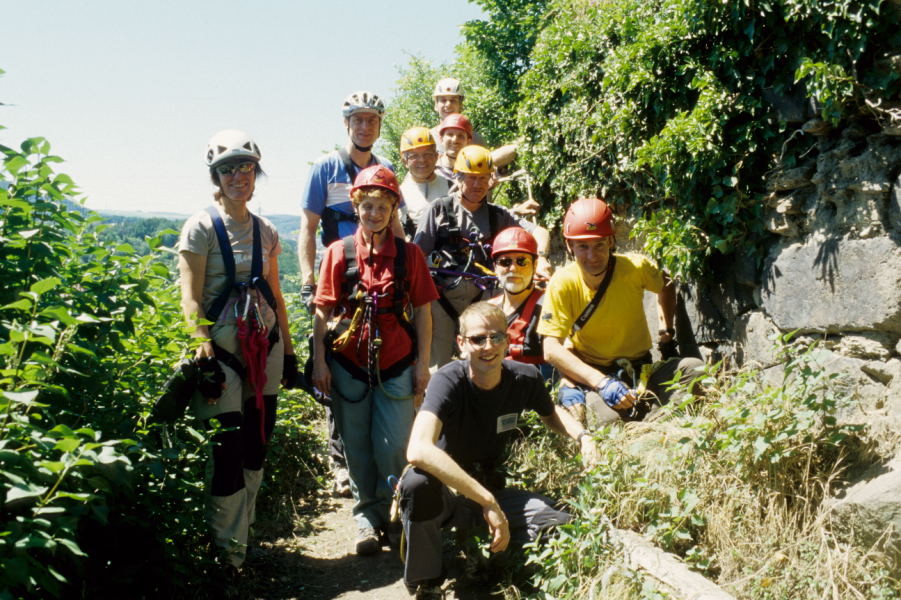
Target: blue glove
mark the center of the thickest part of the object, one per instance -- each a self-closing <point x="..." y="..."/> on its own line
<point x="613" y="391"/>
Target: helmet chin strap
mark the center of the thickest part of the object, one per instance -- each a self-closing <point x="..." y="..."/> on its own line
<point x="361" y="148"/>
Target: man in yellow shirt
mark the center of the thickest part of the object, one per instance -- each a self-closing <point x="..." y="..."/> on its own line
<point x="593" y="324"/>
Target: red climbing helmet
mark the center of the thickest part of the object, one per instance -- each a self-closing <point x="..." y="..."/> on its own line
<point x="514" y="239"/>
<point x="456" y="121"/>
<point x="378" y="176"/>
<point x="588" y="218"/>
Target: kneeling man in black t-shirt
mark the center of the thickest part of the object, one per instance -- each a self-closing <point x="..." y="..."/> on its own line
<point x="456" y="442"/>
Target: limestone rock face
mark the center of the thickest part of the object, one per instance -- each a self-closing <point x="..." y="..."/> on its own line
<point x="834" y="285"/>
<point x="872" y="509"/>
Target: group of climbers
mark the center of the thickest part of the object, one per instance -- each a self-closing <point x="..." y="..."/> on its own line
<point x="412" y="276"/>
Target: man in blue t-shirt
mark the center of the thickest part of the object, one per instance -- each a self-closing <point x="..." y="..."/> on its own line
<point x="471" y="408"/>
<point x="326" y="197"/>
<point x="326" y="202"/>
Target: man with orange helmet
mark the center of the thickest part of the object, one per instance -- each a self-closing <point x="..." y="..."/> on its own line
<point x="514" y="253"/>
<point x="596" y="304"/>
<point x="456" y="235"/>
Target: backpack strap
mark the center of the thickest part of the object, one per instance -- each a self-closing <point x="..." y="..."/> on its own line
<point x="257" y="281"/>
<point x="228" y="258"/>
<point x="596" y="300"/>
<point x="518" y="328"/>
<point x="351" y="268"/>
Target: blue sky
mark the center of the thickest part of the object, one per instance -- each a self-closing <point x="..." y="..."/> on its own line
<point x="128" y="93"/>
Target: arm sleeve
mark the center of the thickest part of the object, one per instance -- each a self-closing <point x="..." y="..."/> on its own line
<point x="508" y="219"/>
<point x="427" y="232"/>
<point x="422" y="288"/>
<point x="438" y="394"/>
<point x="651" y="276"/>
<point x="316" y="190"/>
<point x="331" y="275"/>
<point x="540" y="401"/>
<point x="556" y="318"/>
<point x="195" y="237"/>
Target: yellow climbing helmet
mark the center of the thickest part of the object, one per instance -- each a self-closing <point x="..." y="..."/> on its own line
<point x="474" y="160"/>
<point x="416" y="137"/>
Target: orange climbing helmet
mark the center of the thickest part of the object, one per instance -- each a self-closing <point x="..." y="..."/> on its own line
<point x="588" y="218"/>
<point x="514" y="239"/>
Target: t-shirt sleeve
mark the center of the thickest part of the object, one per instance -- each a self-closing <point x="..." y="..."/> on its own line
<point x="427" y="231"/>
<point x="331" y="275"/>
<point x="438" y="394"/>
<point x="651" y="275"/>
<point x="315" y="192"/>
<point x="195" y="237"/>
<point x="422" y="288"/>
<point x="556" y="319"/>
<point x="540" y="401"/>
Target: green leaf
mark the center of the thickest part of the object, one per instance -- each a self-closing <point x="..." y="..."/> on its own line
<point x="44" y="285"/>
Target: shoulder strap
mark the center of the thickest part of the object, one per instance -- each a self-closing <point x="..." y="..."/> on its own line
<point x="520" y="323"/>
<point x="228" y="258"/>
<point x="592" y="306"/>
<point x="351" y="268"/>
<point x="257" y="281"/>
<point x="349" y="167"/>
<point x="493" y="214"/>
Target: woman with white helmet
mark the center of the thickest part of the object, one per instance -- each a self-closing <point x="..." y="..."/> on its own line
<point x="228" y="264"/>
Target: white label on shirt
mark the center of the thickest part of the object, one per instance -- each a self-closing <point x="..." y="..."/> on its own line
<point x="506" y="422"/>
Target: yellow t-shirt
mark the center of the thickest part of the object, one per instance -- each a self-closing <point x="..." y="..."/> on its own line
<point x="618" y="328"/>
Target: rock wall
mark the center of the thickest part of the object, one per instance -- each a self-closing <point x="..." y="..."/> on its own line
<point x="832" y="274"/>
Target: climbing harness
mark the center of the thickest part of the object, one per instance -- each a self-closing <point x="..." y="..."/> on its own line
<point x="254" y="339"/>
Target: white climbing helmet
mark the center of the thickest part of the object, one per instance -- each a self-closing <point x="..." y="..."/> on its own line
<point x="363" y="102"/>
<point x="449" y="86"/>
<point x="231" y="143"/>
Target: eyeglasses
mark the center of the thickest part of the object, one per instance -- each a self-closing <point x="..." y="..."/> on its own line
<point x="229" y="169"/>
<point x="506" y="262"/>
<point x="479" y="340"/>
<point x="422" y="157"/>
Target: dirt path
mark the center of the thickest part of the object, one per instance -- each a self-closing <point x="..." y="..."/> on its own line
<point x="317" y="562"/>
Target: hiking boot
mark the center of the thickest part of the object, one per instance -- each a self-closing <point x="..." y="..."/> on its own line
<point x="341" y="486"/>
<point x="429" y="592"/>
<point x="389" y="535"/>
<point x="367" y="542"/>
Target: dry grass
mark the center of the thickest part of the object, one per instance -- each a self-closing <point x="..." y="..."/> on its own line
<point x="735" y="485"/>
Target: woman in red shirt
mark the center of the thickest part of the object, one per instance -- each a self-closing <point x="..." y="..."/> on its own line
<point x="376" y="370"/>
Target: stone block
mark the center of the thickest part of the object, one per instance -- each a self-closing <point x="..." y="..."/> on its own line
<point x="754" y="335"/>
<point x="868" y="345"/>
<point x="883" y="371"/>
<point x="870" y="512"/>
<point x="834" y="285"/>
<point x="790" y="179"/>
<point x="894" y="206"/>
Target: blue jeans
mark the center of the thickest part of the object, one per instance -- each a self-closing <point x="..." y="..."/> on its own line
<point x="375" y="430"/>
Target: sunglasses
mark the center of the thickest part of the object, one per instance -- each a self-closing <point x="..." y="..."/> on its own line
<point x="244" y="167"/>
<point x="479" y="340"/>
<point x="506" y="262"/>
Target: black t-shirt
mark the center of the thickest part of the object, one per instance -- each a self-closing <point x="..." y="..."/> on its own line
<point x="473" y="419"/>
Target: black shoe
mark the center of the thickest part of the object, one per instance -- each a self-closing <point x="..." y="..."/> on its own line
<point x="429" y="592"/>
<point x="367" y="542"/>
<point x="390" y="534"/>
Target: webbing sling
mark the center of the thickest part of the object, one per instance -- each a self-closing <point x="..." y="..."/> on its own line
<point x="518" y="329"/>
<point x="596" y="300"/>
<point x="257" y="281"/>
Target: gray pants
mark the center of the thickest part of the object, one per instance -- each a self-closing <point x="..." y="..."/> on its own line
<point x="444" y="326"/>
<point x="600" y="414"/>
<point x="428" y="505"/>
